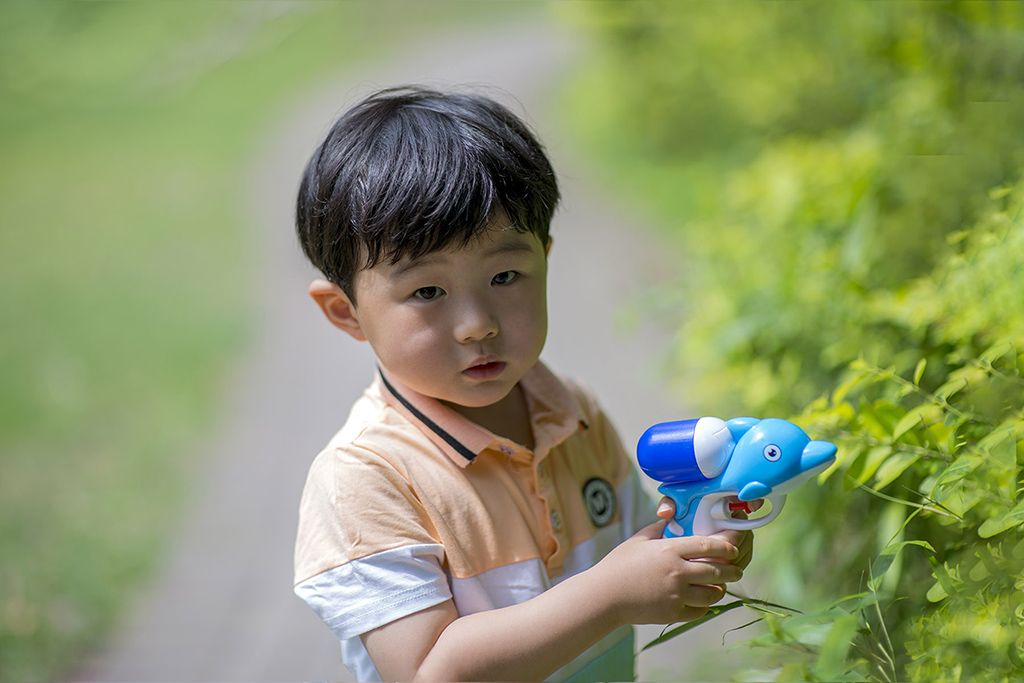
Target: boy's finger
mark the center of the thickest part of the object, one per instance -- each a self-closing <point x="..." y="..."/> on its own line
<point x="732" y="536"/>
<point x="697" y="547"/>
<point x="666" y="508"/>
<point x="744" y="542"/>
<point x="712" y="573"/>
<point x="703" y="596"/>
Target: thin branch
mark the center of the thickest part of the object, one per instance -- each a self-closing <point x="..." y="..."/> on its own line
<point x="898" y="447"/>
<point x="740" y="628"/>
<point x="890" y="652"/>
<point x="991" y="369"/>
<point x="928" y="396"/>
<point x="758" y="601"/>
<point x="891" y="499"/>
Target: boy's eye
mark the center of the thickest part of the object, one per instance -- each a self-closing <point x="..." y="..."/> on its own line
<point x="504" y="278"/>
<point x="427" y="293"/>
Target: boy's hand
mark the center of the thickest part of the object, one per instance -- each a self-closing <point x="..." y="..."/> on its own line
<point x="743" y="540"/>
<point x="655" y="580"/>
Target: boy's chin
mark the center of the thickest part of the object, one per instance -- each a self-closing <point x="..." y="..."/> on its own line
<point x="472" y="403"/>
<point x="484" y="397"/>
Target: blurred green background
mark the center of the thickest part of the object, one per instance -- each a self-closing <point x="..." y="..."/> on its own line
<point x="126" y="131"/>
<point x="842" y="181"/>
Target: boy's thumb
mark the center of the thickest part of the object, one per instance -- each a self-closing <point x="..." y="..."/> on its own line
<point x="653" y="531"/>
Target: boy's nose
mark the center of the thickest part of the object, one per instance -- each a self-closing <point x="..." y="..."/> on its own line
<point x="475" y="323"/>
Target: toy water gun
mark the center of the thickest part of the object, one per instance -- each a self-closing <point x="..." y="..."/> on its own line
<point x="704" y="462"/>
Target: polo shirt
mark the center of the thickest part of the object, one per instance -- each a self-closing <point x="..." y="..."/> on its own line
<point x="411" y="504"/>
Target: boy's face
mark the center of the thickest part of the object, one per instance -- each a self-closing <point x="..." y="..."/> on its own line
<point x="462" y="326"/>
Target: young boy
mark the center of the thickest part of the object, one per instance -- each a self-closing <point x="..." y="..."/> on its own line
<point x="475" y="518"/>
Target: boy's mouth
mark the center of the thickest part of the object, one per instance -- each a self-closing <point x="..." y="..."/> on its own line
<point x="485" y="371"/>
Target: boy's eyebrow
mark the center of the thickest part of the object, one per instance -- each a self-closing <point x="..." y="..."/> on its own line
<point x="403" y="267"/>
<point x="503" y="247"/>
<point x="509" y="247"/>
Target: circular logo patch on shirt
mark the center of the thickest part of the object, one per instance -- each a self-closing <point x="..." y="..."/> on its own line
<point x="599" y="497"/>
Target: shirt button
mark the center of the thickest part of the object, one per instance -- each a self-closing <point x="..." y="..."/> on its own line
<point x="556" y="521"/>
<point x="507" y="450"/>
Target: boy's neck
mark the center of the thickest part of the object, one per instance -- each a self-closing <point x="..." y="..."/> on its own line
<point x="509" y="417"/>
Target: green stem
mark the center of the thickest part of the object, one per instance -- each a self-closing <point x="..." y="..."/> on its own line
<point x="891" y="499"/>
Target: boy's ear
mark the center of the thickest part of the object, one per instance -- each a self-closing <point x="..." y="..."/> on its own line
<point x="337" y="307"/>
<point x="547" y="247"/>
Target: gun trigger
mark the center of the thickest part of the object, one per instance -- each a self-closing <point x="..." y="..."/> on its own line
<point x="741" y="505"/>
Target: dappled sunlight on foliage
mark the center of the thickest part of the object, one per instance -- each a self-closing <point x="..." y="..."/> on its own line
<point x="845" y="182"/>
<point x="938" y="440"/>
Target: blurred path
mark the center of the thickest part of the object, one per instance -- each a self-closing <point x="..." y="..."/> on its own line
<point x="222" y="609"/>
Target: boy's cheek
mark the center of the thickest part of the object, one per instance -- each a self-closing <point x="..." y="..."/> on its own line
<point x="390" y="327"/>
<point x="410" y="347"/>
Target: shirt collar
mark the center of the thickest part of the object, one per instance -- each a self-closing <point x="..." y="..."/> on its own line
<point x="555" y="414"/>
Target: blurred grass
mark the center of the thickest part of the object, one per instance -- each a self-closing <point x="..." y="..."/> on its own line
<point x="124" y="129"/>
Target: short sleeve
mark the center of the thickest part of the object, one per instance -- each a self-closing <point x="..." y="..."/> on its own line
<point x="366" y="553"/>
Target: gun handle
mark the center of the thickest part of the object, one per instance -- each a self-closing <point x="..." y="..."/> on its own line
<point x="712" y="515"/>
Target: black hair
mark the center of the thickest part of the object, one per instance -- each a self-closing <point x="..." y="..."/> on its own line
<point x="410" y="171"/>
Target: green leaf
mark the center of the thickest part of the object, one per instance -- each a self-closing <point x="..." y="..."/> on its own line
<point x="919" y="370"/>
<point x="713" y="612"/>
<point x="760" y="605"/>
<point x="953" y="474"/>
<point x="758" y="676"/>
<point x="958" y="236"/>
<point x="793" y="671"/>
<point x="846" y="387"/>
<point x="951" y="388"/>
<point x="979" y="572"/>
<point x="1000" y="445"/>
<point x="915" y="416"/>
<point x="832" y="657"/>
<point x="893" y="467"/>
<point x="1000" y="192"/>
<point x="960" y="500"/>
<point x="944" y="585"/>
<point x="888" y="555"/>
<point x="863" y="601"/>
<point x="1012" y="518"/>
<point x="872" y="460"/>
<point x="996" y="351"/>
<point x="936" y="593"/>
<point x="810" y="630"/>
<point x="1013" y="654"/>
<point x="880" y="417"/>
<point x="862" y="367"/>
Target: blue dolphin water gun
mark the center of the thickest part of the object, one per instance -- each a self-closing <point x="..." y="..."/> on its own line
<point x="704" y="462"/>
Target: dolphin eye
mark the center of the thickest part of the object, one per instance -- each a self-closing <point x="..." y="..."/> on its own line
<point x="772" y="452"/>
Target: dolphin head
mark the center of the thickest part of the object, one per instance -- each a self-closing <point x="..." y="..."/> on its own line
<point x="778" y="456"/>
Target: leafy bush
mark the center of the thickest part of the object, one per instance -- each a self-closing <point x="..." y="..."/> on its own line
<point x="937" y="440"/>
<point x="832" y="147"/>
<point x="827" y="169"/>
